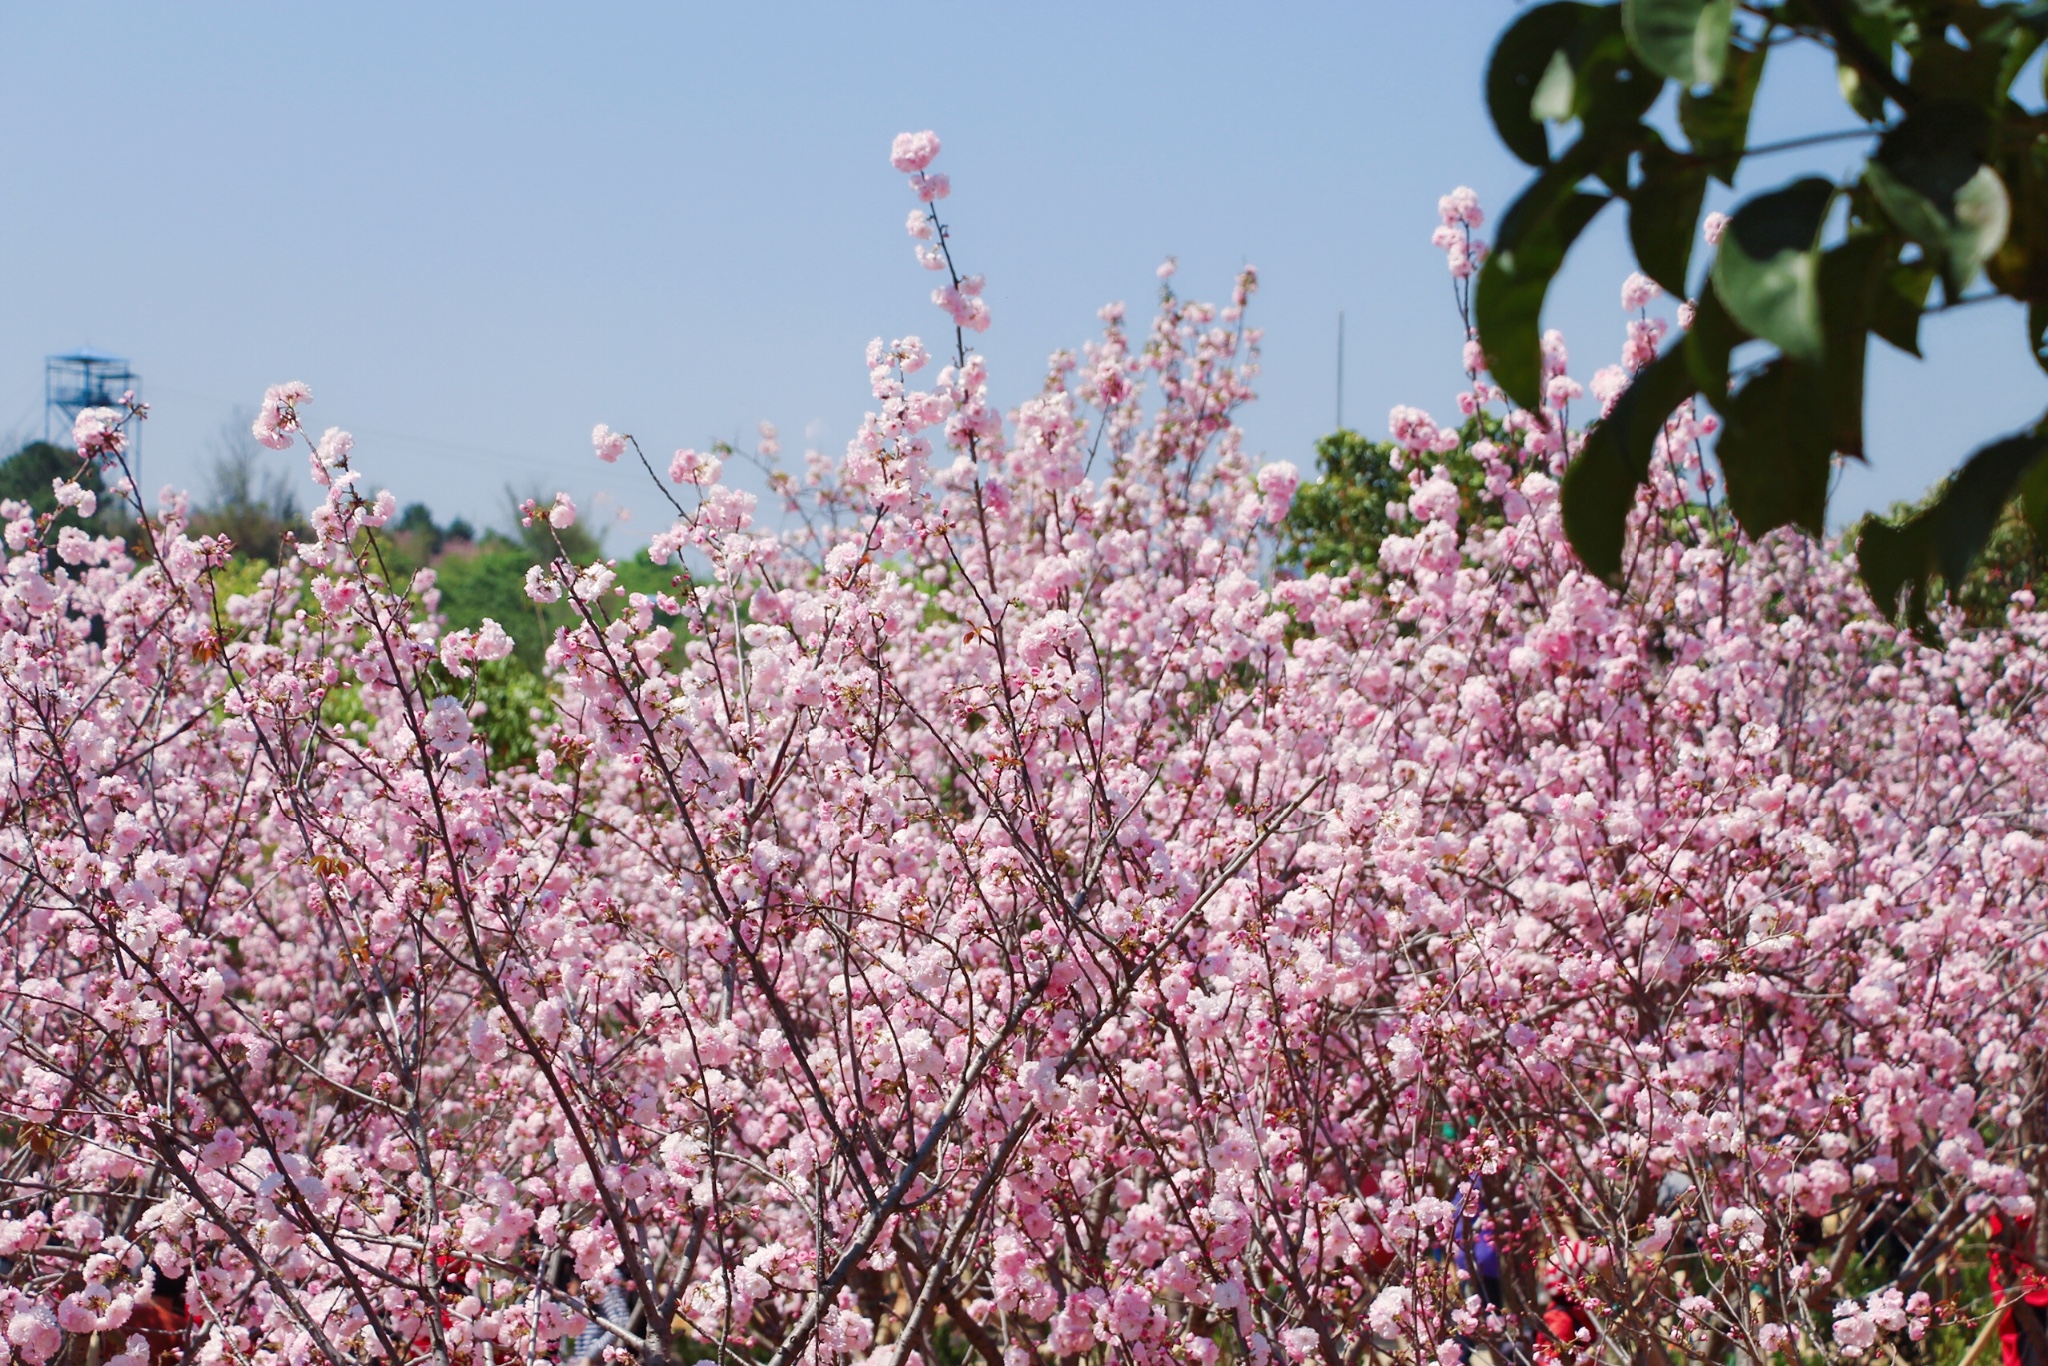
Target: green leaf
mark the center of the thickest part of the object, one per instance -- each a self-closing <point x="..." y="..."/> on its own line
<point x="1775" y="453"/>
<point x="1664" y="213"/>
<point x="1960" y="236"/>
<point x="1600" y="484"/>
<point x="1557" y="93"/>
<point x="1717" y="123"/>
<point x="1685" y="40"/>
<point x="2019" y="268"/>
<point x="2019" y="44"/>
<point x="1534" y="235"/>
<point x="1930" y="178"/>
<point x="1615" y="91"/>
<point x="1946" y="536"/>
<point x="1768" y="268"/>
<point x="1894" y="561"/>
<point x="1942" y="71"/>
<point x="1713" y="337"/>
<point x="1896" y="307"/>
<point x="1878" y="34"/>
<point x="1863" y="97"/>
<point x="1851" y="277"/>
<point x="1524" y="57"/>
<point x="1975" y="498"/>
<point x="2034" y="502"/>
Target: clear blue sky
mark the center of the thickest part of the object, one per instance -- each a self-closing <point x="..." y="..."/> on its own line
<point x="476" y="230"/>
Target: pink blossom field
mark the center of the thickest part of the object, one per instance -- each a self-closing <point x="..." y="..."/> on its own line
<point x="994" y="907"/>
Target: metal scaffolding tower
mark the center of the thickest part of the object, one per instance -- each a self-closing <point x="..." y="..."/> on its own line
<point x="71" y="384"/>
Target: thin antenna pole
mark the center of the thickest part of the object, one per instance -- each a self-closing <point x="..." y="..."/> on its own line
<point x="1340" y="369"/>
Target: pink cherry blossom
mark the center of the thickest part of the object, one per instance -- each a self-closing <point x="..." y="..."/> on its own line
<point x="1001" y="905"/>
<point x="1639" y="291"/>
<point x="691" y="467"/>
<point x="913" y="151"/>
<point x="1461" y="208"/>
<point x="1277" y="482"/>
<point x="97" y="433"/>
<point x="278" y="416"/>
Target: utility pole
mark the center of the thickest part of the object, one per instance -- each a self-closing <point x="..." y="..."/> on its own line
<point x="1340" y="369"/>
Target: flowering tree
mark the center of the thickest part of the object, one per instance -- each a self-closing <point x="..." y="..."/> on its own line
<point x="1002" y="919"/>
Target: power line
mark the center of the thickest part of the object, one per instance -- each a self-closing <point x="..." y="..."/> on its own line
<point x="381" y="434"/>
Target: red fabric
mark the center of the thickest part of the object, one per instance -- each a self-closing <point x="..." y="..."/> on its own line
<point x="1561" y="1323"/>
<point x="1382" y="1256"/>
<point x="163" y="1323"/>
<point x="2020" y="1274"/>
<point x="1567" y="1262"/>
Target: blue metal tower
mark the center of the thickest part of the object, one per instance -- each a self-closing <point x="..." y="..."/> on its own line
<point x="71" y="384"/>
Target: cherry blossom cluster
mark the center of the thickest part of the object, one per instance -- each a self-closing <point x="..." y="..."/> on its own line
<point x="1000" y="915"/>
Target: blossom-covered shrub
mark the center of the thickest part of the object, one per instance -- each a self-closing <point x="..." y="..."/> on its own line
<point x="1002" y="919"/>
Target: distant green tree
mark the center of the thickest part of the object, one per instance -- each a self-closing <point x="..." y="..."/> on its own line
<point x="2012" y="559"/>
<point x="515" y="699"/>
<point x="28" y="474"/>
<point x="417" y="519"/>
<point x="1339" y="519"/>
<point x="487" y="578"/>
<point x="477" y="577"/>
<point x="249" y="496"/>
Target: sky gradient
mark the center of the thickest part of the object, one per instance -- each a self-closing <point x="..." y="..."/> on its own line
<point x="478" y="230"/>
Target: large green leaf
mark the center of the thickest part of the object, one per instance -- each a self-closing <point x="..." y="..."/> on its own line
<point x="1896" y="307"/>
<point x="1534" y="235"/>
<point x="1852" y="276"/>
<point x="1528" y="52"/>
<point x="1894" y="562"/>
<point x="1714" y="336"/>
<point x="1768" y="267"/>
<point x="1664" y="214"/>
<point x="2034" y="502"/>
<point x="1968" y="231"/>
<point x="1878" y="32"/>
<point x="1685" y="40"/>
<point x="1775" y="452"/>
<point x="1930" y="178"/>
<point x="1974" y="499"/>
<point x="1600" y="484"/>
<point x="2019" y="267"/>
<point x="1945" y="537"/>
<point x="1966" y="74"/>
<point x="1716" y="123"/>
<point x="1611" y="89"/>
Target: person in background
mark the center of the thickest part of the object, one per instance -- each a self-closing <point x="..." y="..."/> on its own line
<point x="1475" y="1253"/>
<point x="2015" y="1275"/>
<point x="163" y="1320"/>
<point x="590" y="1344"/>
<point x="1565" y="1316"/>
<point x="1473" y="1248"/>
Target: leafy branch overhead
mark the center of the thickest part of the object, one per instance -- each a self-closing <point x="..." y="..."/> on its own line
<point x="1953" y="189"/>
